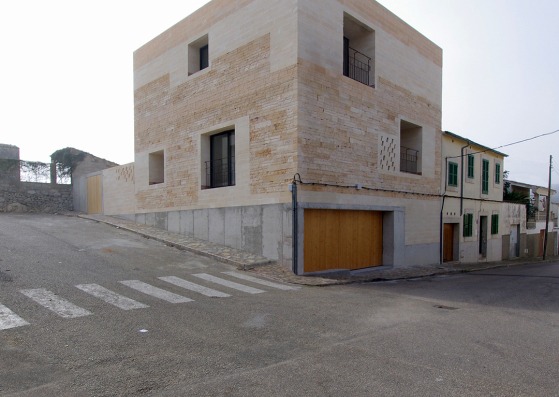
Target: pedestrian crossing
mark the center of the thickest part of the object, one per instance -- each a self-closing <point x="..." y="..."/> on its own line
<point x="179" y="282"/>
<point x="8" y="319"/>
<point x="66" y="309"/>
<point x="156" y="292"/>
<point x="120" y="301"/>
<point x="229" y="284"/>
<point x="55" y="303"/>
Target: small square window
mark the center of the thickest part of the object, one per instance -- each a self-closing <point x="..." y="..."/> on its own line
<point x="156" y="167"/>
<point x="452" y="174"/>
<point x="198" y="55"/>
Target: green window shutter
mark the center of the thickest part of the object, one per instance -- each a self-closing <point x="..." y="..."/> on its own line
<point x="495" y="224"/>
<point x="497" y="173"/>
<point x="485" y="177"/>
<point x="452" y="174"/>
<point x="471" y="165"/>
<point x="468" y="225"/>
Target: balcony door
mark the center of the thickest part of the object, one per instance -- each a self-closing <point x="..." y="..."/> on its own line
<point x="222" y="161"/>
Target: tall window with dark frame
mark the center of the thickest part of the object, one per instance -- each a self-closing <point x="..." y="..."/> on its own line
<point x="468" y="225"/>
<point x="485" y="177"/>
<point x="346" y="57"/>
<point x="220" y="170"/>
<point x="497" y="173"/>
<point x="204" y="57"/>
<point x="495" y="224"/>
<point x="471" y="160"/>
<point x="452" y="174"/>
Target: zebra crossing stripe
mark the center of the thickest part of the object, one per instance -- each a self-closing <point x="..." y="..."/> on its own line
<point x="8" y="319"/>
<point x="230" y="284"/>
<point x="122" y="302"/>
<point x="154" y="291"/>
<point x="179" y="282"/>
<point x="262" y="282"/>
<point x="54" y="303"/>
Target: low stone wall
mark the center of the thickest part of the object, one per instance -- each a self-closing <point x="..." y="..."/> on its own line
<point x="35" y="197"/>
<point x="261" y="229"/>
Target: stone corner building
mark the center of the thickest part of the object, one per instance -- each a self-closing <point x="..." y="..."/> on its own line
<point x="239" y="98"/>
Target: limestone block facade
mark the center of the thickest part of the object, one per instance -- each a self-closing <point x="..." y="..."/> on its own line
<point x="242" y="99"/>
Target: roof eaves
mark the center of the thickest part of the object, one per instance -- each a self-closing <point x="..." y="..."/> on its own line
<point x="469" y="141"/>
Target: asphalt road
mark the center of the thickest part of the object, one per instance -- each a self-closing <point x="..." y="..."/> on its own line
<point x="491" y="333"/>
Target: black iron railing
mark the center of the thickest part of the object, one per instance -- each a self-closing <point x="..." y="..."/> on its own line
<point x="358" y="66"/>
<point x="408" y="160"/>
<point x="220" y="172"/>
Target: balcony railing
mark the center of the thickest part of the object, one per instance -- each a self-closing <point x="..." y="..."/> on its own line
<point x="358" y="66"/>
<point x="408" y="160"/>
<point x="220" y="172"/>
<point x="539" y="216"/>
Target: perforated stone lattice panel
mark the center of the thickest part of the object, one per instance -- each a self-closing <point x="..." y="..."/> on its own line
<point x="387" y="153"/>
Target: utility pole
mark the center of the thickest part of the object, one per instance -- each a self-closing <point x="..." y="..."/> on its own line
<point x="547" y="208"/>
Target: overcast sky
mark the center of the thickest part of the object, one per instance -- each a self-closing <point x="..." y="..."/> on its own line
<point x="66" y="73"/>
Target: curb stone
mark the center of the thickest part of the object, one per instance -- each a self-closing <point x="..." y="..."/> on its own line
<point x="260" y="265"/>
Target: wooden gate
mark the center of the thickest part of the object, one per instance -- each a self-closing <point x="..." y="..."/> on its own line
<point x="342" y="239"/>
<point x="95" y="194"/>
<point x="448" y="242"/>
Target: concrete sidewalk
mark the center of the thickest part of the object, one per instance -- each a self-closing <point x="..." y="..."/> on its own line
<point x="258" y="264"/>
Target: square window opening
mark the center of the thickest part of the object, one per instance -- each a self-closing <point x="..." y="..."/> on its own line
<point x="156" y="167"/>
<point x="411" y="141"/>
<point x="358" y="51"/>
<point x="198" y="55"/>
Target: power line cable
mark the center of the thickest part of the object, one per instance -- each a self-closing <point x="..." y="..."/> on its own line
<point x="509" y="144"/>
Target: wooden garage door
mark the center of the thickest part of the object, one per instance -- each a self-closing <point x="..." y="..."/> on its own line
<point x="94" y="195"/>
<point x="342" y="239"/>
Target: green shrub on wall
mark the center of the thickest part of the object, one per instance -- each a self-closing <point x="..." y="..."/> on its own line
<point x="66" y="161"/>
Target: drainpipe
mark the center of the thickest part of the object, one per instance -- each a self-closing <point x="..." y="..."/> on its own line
<point x="462" y="177"/>
<point x="295" y="240"/>
<point x="441" y="215"/>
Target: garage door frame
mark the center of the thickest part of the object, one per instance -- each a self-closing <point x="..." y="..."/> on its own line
<point x="393" y="231"/>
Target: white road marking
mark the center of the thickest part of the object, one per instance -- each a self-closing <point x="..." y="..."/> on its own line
<point x="8" y="319"/>
<point x="194" y="287"/>
<point x="53" y="302"/>
<point x="230" y="284"/>
<point x="154" y="291"/>
<point x="122" y="302"/>
<point x="262" y="282"/>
